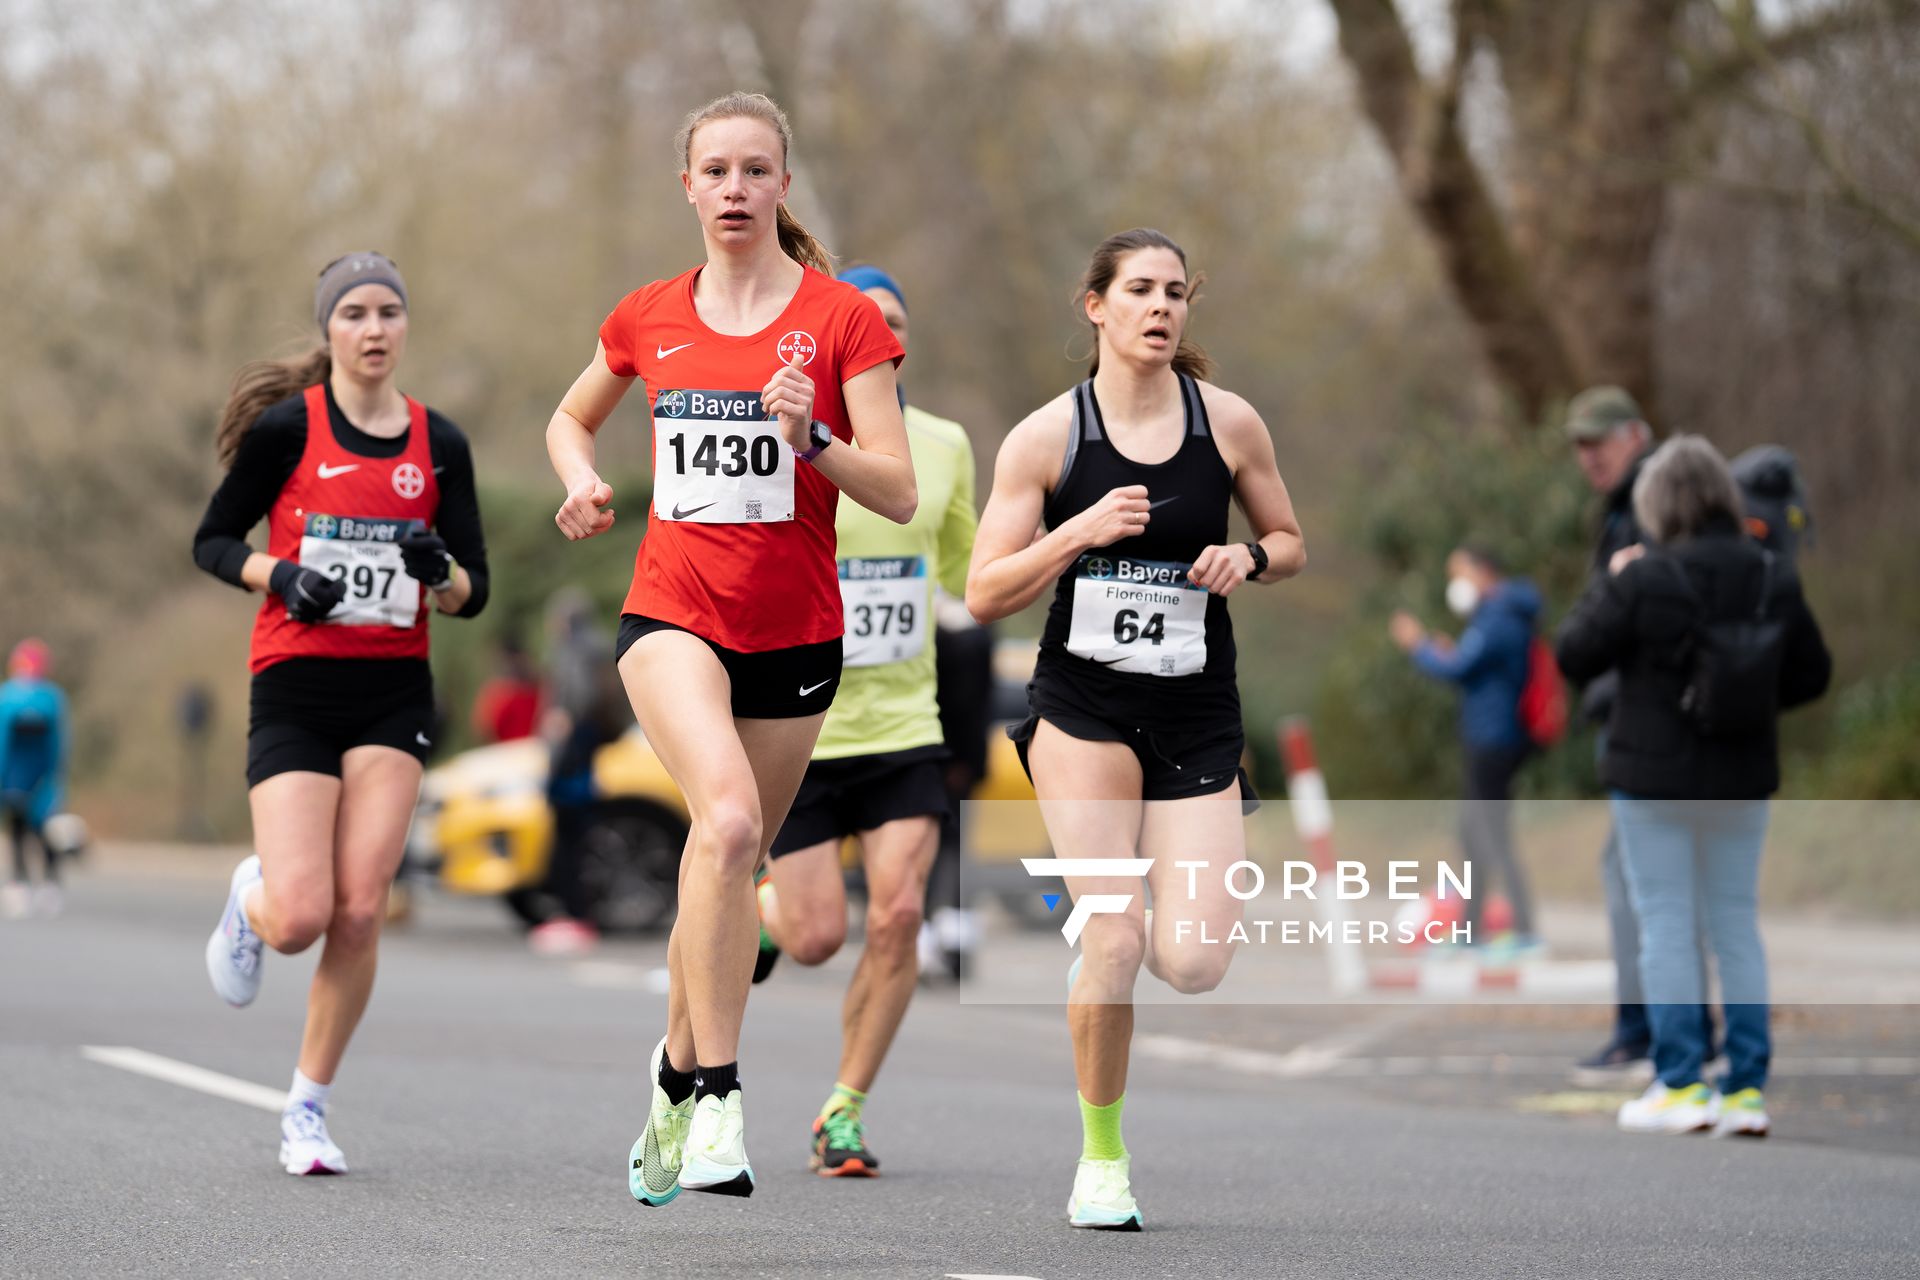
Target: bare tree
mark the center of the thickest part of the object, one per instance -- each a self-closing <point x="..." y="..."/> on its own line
<point x="1553" y="261"/>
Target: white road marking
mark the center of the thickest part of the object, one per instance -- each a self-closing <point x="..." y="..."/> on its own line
<point x="983" y="1275"/>
<point x="187" y="1076"/>
<point x="1315" y="1057"/>
<point x="1331" y="1057"/>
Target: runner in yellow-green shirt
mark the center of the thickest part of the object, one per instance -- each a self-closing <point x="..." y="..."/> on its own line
<point x="876" y="771"/>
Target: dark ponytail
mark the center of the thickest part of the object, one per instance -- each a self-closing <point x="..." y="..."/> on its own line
<point x="261" y="383"/>
<point x="1188" y="358"/>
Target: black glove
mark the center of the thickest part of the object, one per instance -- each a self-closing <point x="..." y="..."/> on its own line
<point x="425" y="556"/>
<point x="310" y="595"/>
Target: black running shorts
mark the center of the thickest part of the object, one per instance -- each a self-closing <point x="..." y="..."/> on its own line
<point x="308" y="712"/>
<point x="1174" y="763"/>
<point x="840" y="798"/>
<point x="780" y="684"/>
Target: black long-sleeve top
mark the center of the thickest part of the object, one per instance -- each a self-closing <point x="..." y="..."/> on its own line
<point x="273" y="447"/>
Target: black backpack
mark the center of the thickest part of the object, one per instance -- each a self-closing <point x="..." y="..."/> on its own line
<point x="1733" y="666"/>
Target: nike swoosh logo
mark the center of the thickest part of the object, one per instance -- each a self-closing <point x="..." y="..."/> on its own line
<point x="661" y="353"/>
<point x="806" y="689"/>
<point x="1154" y="506"/>
<point x="678" y="514"/>
<point x="421" y="738"/>
<point x="1207" y="782"/>
<point x="1105" y="662"/>
<point x="328" y="473"/>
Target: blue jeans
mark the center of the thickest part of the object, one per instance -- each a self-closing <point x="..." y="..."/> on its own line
<point x="1694" y="865"/>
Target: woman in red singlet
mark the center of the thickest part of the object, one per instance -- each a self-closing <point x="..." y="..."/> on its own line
<point x="372" y="524"/>
<point x="762" y="373"/>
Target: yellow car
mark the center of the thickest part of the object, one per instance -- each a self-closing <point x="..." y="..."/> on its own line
<point x="483" y="825"/>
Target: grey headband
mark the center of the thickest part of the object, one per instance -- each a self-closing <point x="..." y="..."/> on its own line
<point x="349" y="272"/>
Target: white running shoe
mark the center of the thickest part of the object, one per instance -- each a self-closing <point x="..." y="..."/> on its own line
<point x="305" y="1147"/>
<point x="716" y="1156"/>
<point x="653" y="1169"/>
<point x="16" y="900"/>
<point x="1688" y="1109"/>
<point x="233" y="952"/>
<point x="1103" y="1197"/>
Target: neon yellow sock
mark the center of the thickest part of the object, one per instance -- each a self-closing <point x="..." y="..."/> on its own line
<point x="1100" y="1130"/>
<point x="844" y="1098"/>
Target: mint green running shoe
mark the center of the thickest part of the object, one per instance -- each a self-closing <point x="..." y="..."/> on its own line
<point x="1102" y="1197"/>
<point x="653" y="1174"/>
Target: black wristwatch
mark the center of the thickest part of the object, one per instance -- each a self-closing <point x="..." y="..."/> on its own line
<point x="1259" y="559"/>
<point x="821" y="435"/>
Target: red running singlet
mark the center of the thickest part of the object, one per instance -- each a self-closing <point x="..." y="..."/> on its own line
<point x="739" y="546"/>
<point x="344" y="515"/>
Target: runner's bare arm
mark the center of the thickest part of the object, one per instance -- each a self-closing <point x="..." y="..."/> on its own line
<point x="879" y="474"/>
<point x="589" y="401"/>
<point x="1014" y="561"/>
<point x="1247" y="447"/>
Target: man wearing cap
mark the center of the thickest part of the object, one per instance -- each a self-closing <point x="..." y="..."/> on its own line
<point x="1611" y="439"/>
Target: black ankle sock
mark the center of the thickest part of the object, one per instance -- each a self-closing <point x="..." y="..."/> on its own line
<point x="678" y="1084"/>
<point x="717" y="1082"/>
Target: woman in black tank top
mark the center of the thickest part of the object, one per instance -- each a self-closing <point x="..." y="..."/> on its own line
<point x="1117" y="494"/>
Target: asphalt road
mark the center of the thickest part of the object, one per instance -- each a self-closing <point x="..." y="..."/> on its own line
<point x="491" y="1098"/>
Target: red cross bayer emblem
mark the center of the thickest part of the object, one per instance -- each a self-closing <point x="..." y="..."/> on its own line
<point x="407" y="480"/>
<point x="799" y="342"/>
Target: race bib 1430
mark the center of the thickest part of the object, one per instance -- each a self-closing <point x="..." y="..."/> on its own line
<point x="718" y="459"/>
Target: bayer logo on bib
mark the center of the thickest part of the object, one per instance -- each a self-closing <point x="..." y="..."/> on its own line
<point x="362" y="553"/>
<point x="718" y="459"/>
<point x="1142" y="617"/>
<point x="885" y="599"/>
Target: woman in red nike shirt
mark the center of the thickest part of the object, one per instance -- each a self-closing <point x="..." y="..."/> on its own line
<point x="762" y="372"/>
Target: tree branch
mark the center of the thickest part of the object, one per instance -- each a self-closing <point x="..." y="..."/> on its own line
<point x="1711" y="75"/>
<point x="1847" y="188"/>
<point x="1448" y="194"/>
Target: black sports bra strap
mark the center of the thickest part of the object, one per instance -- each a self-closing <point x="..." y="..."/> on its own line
<point x="1089" y="410"/>
<point x="1083" y="421"/>
<point x="1197" y="423"/>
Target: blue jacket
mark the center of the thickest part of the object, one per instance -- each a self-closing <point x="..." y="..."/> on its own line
<point x="1489" y="663"/>
<point x="33" y="747"/>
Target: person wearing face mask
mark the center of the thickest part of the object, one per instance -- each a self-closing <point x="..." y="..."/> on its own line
<point x="1489" y="663"/>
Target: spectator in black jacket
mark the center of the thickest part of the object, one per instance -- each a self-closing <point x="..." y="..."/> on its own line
<point x="1611" y="439"/>
<point x="1700" y="617"/>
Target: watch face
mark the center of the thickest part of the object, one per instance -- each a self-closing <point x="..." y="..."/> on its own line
<point x="822" y="434"/>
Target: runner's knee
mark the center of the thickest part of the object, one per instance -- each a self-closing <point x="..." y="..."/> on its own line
<point x="357" y="919"/>
<point x="296" y="919"/>
<point x="1193" y="970"/>
<point x="814" y="940"/>
<point x="893" y="925"/>
<point x="727" y="836"/>
<point x="1112" y="947"/>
